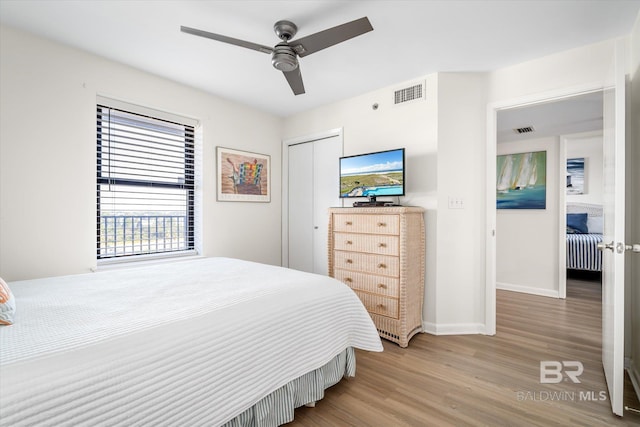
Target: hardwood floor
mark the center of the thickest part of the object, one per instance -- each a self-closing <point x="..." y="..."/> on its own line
<point x="484" y="381"/>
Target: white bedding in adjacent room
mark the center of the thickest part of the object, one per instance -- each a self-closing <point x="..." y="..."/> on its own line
<point x="185" y="343"/>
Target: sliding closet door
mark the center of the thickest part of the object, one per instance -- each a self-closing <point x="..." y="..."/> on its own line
<point x="314" y="186"/>
<point x="326" y="192"/>
<point x="301" y="207"/>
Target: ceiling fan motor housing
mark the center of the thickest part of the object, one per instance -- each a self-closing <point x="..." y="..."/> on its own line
<point x="284" y="58"/>
<point x="285" y="29"/>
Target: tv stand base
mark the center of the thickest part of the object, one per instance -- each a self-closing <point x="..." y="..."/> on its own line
<point x="372" y="204"/>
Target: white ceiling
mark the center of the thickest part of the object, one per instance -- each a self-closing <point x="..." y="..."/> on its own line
<point x="576" y="114"/>
<point x="410" y="39"/>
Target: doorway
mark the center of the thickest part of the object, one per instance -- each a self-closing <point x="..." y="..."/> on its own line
<point x="493" y="110"/>
<point x="536" y="140"/>
<point x="614" y="206"/>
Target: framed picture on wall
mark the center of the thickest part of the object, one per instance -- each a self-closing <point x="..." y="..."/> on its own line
<point x="576" y="176"/>
<point x="243" y="176"/>
<point x="521" y="181"/>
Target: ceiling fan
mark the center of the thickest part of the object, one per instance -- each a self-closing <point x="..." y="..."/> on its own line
<point x="284" y="55"/>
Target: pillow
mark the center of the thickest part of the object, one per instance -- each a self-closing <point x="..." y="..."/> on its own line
<point x="595" y="225"/>
<point x="7" y="304"/>
<point x="577" y="222"/>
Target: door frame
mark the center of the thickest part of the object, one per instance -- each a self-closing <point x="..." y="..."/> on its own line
<point x="490" y="180"/>
<point x="285" y="181"/>
<point x="562" y="219"/>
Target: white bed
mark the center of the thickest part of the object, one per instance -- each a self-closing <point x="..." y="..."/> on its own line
<point x="197" y="342"/>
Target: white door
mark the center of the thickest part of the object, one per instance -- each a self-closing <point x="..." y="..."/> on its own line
<point x="326" y="192"/>
<point x="300" y="207"/>
<point x="314" y="186"/>
<point x="613" y="246"/>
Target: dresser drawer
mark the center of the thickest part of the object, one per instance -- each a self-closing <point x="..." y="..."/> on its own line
<point x="367" y="263"/>
<point x="371" y="243"/>
<point x="384" y="306"/>
<point x="372" y="224"/>
<point x="381" y="285"/>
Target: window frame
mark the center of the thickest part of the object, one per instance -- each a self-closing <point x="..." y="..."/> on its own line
<point x="188" y="184"/>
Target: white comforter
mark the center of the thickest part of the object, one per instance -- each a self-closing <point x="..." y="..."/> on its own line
<point x="185" y="343"/>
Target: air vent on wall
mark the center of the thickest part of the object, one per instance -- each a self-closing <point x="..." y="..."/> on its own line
<point x="526" y="129"/>
<point x="411" y="93"/>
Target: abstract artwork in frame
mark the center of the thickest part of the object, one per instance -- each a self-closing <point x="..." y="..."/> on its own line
<point x="575" y="176"/>
<point x="521" y="181"/>
<point x="243" y="176"/>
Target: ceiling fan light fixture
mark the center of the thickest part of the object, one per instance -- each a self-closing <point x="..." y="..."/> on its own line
<point x="284" y="58"/>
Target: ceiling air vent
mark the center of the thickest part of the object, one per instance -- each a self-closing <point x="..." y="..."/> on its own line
<point x="526" y="129"/>
<point x="411" y="93"/>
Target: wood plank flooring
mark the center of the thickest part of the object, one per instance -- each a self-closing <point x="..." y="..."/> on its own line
<point x="484" y="381"/>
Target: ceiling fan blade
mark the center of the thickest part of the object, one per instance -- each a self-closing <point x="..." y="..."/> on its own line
<point x="225" y="39"/>
<point x="313" y="43"/>
<point x="294" y="78"/>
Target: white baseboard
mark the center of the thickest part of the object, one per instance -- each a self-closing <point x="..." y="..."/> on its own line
<point x="528" y="290"/>
<point x="634" y="374"/>
<point x="453" y="328"/>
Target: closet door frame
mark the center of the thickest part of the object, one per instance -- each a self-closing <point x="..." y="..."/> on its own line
<point x="285" y="181"/>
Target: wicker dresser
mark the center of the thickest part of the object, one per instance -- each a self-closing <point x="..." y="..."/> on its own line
<point x="380" y="253"/>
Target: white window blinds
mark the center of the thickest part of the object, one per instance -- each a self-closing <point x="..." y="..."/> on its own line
<point x="145" y="184"/>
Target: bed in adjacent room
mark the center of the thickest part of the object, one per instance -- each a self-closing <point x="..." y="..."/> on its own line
<point x="584" y="232"/>
<point x="210" y="341"/>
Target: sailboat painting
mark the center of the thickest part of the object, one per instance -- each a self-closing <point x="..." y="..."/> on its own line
<point x="521" y="181"/>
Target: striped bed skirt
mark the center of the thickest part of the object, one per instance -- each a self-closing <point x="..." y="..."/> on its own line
<point x="583" y="253"/>
<point x="278" y="407"/>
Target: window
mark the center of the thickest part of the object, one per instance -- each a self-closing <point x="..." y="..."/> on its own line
<point x="145" y="184"/>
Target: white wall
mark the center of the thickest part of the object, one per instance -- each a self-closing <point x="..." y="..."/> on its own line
<point x="460" y="288"/>
<point x="47" y="157"/>
<point x="460" y="238"/>
<point x="571" y="71"/>
<point x="588" y="146"/>
<point x="413" y="126"/>
<point x="444" y="129"/>
<point x="527" y="255"/>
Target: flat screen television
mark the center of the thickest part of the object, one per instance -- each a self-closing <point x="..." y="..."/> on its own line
<point x="372" y="174"/>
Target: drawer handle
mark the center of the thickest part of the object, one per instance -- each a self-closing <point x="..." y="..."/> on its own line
<point x="382" y="224"/>
<point x="348" y="279"/>
<point x="349" y="223"/>
<point x="381" y="306"/>
<point x="382" y="245"/>
<point x="349" y="261"/>
<point x="349" y="242"/>
<point x="382" y="286"/>
<point x="381" y="265"/>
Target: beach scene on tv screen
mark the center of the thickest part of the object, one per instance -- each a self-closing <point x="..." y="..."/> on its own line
<point x="377" y="174"/>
